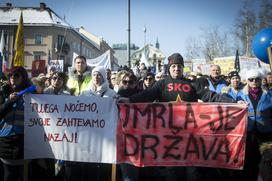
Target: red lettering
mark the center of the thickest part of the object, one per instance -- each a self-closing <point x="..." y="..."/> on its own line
<point x="57" y="137"/>
<point x="170" y="87"/>
<point x="186" y="88"/>
<point x="177" y="87"/>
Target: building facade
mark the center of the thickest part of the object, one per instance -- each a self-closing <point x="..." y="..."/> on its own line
<point x="46" y="36"/>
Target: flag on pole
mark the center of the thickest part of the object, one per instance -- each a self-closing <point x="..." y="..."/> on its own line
<point x="19" y="44"/>
<point x="237" y="62"/>
<point x="49" y="57"/>
<point x="4" y="61"/>
<point x="1" y="53"/>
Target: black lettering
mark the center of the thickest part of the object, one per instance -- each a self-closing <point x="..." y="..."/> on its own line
<point x="205" y="154"/>
<point x="146" y="111"/>
<point x="125" y="122"/>
<point x="132" y="138"/>
<point x="230" y="119"/>
<point x="172" y="146"/>
<point x="171" y="124"/>
<point x="212" y="124"/>
<point x="145" y="139"/>
<point x="195" y="150"/>
<point x="226" y="152"/>
<point x="190" y="116"/>
<point x="158" y="115"/>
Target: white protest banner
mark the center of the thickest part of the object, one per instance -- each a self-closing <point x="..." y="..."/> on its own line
<point x="70" y="128"/>
<point x="103" y="60"/>
<point x="58" y="64"/>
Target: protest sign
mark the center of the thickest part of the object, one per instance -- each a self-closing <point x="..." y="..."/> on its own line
<point x="70" y="128"/>
<point x="186" y="134"/>
<point x="57" y="64"/>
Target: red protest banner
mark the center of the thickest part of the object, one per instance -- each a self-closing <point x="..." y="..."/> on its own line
<point x="186" y="134"/>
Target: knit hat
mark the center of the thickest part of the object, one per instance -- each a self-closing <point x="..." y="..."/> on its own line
<point x="254" y="73"/>
<point x="233" y="74"/>
<point x="175" y="58"/>
<point x="101" y="70"/>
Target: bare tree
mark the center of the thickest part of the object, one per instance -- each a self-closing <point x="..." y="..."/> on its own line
<point x="193" y="48"/>
<point x="246" y="27"/>
<point x="265" y="14"/>
<point x="215" y="43"/>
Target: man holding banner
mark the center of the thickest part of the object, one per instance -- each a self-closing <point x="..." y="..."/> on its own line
<point x="175" y="88"/>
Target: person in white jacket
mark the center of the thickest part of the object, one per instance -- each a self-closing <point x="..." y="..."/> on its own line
<point x="99" y="85"/>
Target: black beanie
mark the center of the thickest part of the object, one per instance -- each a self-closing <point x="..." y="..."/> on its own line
<point x="233" y="74"/>
<point x="175" y="58"/>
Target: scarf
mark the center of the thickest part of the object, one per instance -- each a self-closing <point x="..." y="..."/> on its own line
<point x="254" y="92"/>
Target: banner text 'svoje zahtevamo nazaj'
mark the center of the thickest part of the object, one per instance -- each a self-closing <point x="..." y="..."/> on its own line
<point x="70" y="128"/>
<point x="186" y="134"/>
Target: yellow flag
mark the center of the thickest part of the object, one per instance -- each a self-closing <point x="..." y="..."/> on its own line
<point x="19" y="44"/>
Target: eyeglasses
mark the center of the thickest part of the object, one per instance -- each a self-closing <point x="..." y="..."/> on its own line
<point x="252" y="79"/>
<point x="113" y="78"/>
<point x="128" y="82"/>
<point x="55" y="78"/>
<point x="149" y="78"/>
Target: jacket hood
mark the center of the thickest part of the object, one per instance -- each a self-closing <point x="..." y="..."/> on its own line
<point x="74" y="75"/>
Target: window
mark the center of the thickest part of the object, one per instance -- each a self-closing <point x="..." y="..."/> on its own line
<point x="38" y="39"/>
<point x="60" y="40"/>
<point x="83" y="50"/>
<point x="74" y="45"/>
<point x="38" y="55"/>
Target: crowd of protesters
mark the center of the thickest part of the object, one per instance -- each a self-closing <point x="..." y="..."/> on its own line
<point x="139" y="84"/>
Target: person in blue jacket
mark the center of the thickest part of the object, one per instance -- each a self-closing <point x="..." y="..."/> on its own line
<point x="216" y="82"/>
<point x="235" y="88"/>
<point x="259" y="127"/>
<point x="12" y="126"/>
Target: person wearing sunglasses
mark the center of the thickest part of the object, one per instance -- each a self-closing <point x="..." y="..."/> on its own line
<point x="127" y="84"/>
<point x="57" y="84"/>
<point x="259" y="127"/>
<point x="147" y="82"/>
<point x="12" y="125"/>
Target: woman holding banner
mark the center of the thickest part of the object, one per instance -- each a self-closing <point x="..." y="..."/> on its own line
<point x="98" y="86"/>
<point x="12" y="126"/>
<point x="259" y="129"/>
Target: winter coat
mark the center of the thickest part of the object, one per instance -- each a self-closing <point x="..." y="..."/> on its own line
<point x="73" y="81"/>
<point x="50" y="90"/>
<point x="103" y="90"/>
<point x="259" y="119"/>
<point x="182" y="89"/>
<point x="222" y="83"/>
<point x="231" y="92"/>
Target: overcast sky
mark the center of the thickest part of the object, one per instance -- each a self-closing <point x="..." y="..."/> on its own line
<point x="171" y="21"/>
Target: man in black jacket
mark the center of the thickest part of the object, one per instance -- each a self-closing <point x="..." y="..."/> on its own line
<point x="179" y="89"/>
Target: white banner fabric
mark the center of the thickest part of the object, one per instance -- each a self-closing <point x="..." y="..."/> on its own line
<point x="70" y="128"/>
<point x="102" y="60"/>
